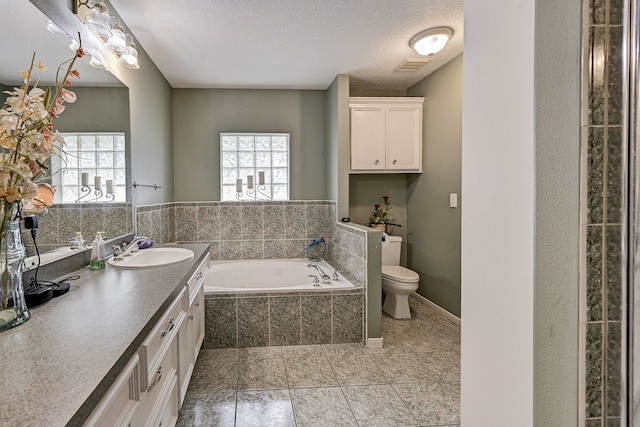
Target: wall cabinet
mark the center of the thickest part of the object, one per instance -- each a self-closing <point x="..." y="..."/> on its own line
<point x="386" y="134"/>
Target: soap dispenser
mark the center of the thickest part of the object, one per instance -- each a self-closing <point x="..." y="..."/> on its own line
<point x="97" y="252"/>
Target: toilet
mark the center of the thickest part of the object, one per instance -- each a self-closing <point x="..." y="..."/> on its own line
<point x="397" y="282"/>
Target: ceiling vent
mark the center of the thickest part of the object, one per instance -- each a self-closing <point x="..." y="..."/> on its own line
<point x="414" y="64"/>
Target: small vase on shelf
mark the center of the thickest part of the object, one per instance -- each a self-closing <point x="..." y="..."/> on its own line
<point x="381" y="227"/>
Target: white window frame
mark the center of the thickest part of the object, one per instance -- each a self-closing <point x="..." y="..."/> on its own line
<point x="265" y="194"/>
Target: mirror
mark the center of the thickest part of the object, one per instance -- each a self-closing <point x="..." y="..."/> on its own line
<point x="102" y="106"/>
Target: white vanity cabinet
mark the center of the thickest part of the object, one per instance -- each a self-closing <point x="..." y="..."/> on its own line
<point x="191" y="335"/>
<point x="386" y="134"/>
<point x="151" y="388"/>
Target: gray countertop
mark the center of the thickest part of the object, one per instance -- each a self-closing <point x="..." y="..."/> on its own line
<point x="55" y="368"/>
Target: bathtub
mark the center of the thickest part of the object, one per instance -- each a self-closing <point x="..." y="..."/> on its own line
<point x="264" y="275"/>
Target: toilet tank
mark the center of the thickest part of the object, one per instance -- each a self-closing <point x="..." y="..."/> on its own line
<point x="391" y="249"/>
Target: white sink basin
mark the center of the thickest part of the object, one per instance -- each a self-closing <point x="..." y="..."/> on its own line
<point x="152" y="257"/>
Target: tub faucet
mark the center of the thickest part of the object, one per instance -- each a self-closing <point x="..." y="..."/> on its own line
<point x="133" y="246"/>
<point x="326" y="279"/>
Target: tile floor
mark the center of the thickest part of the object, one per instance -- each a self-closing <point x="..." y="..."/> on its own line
<point x="413" y="381"/>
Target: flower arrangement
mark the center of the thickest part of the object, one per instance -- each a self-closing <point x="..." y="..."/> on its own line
<point x="27" y="141"/>
<point x="380" y="213"/>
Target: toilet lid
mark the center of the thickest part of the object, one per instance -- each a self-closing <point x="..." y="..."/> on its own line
<point x="399" y="273"/>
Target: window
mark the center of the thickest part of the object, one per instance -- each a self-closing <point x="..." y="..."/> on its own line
<point x="98" y="154"/>
<point x="255" y="163"/>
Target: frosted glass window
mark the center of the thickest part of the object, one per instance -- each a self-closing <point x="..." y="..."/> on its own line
<point x="95" y="153"/>
<point x="248" y="156"/>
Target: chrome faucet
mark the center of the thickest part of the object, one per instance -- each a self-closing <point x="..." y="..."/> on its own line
<point x="133" y="246"/>
<point x="326" y="279"/>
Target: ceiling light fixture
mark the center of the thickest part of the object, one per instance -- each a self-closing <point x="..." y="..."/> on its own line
<point x="432" y="41"/>
<point x="98" y="20"/>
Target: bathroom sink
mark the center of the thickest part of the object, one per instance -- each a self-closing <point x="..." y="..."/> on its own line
<point x="152" y="257"/>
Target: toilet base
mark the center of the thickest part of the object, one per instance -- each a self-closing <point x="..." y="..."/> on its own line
<point x="397" y="305"/>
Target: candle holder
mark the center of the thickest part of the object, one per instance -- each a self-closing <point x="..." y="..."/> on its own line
<point x="99" y="195"/>
<point x="253" y="192"/>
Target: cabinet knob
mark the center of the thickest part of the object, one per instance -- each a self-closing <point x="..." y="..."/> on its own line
<point x="377" y="161"/>
<point x="394" y="162"/>
<point x="190" y="317"/>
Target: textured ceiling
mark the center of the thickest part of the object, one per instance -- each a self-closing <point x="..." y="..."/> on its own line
<point x="297" y="44"/>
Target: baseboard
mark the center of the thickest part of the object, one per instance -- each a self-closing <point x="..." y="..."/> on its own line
<point x="437" y="308"/>
<point x="374" y="342"/>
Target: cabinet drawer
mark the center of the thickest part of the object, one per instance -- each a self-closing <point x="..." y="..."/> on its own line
<point x="155" y="345"/>
<point x="159" y="383"/>
<point x="118" y="405"/>
<point x="167" y="410"/>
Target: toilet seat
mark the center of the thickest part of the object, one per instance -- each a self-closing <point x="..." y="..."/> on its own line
<point x="399" y="274"/>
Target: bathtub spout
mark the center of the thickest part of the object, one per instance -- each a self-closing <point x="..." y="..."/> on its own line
<point x="325" y="277"/>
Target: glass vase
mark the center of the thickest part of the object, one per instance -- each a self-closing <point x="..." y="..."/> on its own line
<point x="13" y="308"/>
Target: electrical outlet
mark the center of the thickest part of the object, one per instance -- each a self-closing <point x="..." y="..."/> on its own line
<point x="453" y="200"/>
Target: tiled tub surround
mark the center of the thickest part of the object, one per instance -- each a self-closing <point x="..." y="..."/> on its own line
<point x="259" y="230"/>
<point x="284" y="318"/>
<point x="270" y="230"/>
<point x="63" y="221"/>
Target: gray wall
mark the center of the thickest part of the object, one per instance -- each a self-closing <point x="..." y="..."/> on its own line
<point x="199" y="116"/>
<point x="98" y="109"/>
<point x="338" y="140"/>
<point x="366" y="190"/>
<point x="434" y="228"/>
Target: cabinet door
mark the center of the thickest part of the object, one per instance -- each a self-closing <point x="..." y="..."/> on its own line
<point x="404" y="139"/>
<point x="367" y="138"/>
<point x="185" y="357"/>
<point x="197" y="323"/>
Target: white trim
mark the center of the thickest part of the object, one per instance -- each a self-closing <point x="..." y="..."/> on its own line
<point x="374" y="342"/>
<point x="437" y="308"/>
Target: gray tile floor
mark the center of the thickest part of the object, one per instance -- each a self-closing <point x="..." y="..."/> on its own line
<point x="413" y="381"/>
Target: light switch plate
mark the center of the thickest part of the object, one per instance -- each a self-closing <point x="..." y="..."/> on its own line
<point x="453" y="200"/>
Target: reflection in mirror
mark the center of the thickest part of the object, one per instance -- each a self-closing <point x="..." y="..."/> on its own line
<point x="102" y="106"/>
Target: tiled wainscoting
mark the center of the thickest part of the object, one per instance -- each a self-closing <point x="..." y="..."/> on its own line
<point x="63" y="221"/>
<point x="259" y="320"/>
<point x="270" y="230"/>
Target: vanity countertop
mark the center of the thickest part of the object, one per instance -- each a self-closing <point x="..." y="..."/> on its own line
<point x="56" y="367"/>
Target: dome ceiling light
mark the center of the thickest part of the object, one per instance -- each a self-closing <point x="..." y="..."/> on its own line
<point x="432" y="41"/>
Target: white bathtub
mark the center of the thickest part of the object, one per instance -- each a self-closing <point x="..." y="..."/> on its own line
<point x="269" y="275"/>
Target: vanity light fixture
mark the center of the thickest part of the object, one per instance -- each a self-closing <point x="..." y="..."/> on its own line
<point x="95" y="63"/>
<point x="130" y="58"/>
<point x="431" y="41"/>
<point x="96" y="17"/>
<point x="117" y="43"/>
